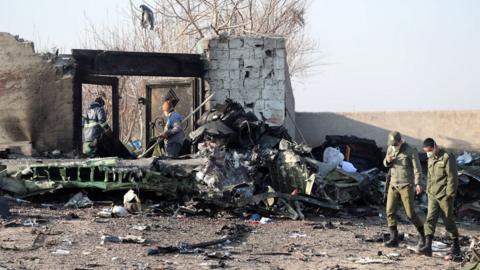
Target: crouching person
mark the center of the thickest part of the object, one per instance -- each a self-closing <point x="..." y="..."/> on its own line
<point x="441" y="190"/>
<point x="404" y="165"/>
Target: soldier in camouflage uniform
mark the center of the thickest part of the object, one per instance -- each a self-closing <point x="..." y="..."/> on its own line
<point x="405" y="170"/>
<point x="441" y="190"/>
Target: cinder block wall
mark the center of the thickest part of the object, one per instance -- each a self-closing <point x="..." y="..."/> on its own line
<point x="456" y="130"/>
<point x="35" y="98"/>
<point x="252" y="71"/>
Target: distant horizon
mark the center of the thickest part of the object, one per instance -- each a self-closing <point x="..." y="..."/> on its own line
<point x="398" y="55"/>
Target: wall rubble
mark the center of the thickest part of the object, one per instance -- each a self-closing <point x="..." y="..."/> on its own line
<point x="35" y="97"/>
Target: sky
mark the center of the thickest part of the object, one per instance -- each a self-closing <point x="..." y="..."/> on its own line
<point x="373" y="55"/>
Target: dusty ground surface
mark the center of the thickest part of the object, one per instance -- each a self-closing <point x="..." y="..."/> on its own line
<point x="31" y="247"/>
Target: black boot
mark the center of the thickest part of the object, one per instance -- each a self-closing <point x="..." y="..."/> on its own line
<point x="393" y="241"/>
<point x="421" y="238"/>
<point x="427" y="248"/>
<point x="455" y="249"/>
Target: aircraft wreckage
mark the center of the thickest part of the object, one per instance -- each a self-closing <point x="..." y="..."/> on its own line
<point x="242" y="165"/>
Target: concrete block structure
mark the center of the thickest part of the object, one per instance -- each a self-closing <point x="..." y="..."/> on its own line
<point x="254" y="72"/>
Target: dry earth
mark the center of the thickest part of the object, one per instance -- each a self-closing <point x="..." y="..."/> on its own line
<point x="33" y="247"/>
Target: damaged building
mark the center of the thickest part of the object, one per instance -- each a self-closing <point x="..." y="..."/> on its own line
<point x="238" y="93"/>
<point x="42" y="94"/>
<point x="249" y="92"/>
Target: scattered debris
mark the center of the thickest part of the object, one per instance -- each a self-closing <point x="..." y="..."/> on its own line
<point x="265" y="220"/>
<point x="231" y="233"/>
<point x="364" y="154"/>
<point x="79" y="200"/>
<point x="116" y="211"/>
<point x="133" y="239"/>
<point x="141" y="227"/>
<point x="61" y="252"/>
<point x="221" y="255"/>
<point x="368" y="260"/>
<point x="108" y="238"/>
<point x="471" y="260"/>
<point x="297" y="235"/>
<point x="326" y="225"/>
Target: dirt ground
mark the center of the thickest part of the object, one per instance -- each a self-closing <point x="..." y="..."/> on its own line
<point x="289" y="244"/>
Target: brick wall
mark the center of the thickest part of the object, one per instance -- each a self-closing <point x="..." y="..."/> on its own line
<point x="252" y="71"/>
<point x="35" y="98"/>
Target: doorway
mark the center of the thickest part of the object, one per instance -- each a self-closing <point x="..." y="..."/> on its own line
<point x="101" y="86"/>
<point x="190" y="92"/>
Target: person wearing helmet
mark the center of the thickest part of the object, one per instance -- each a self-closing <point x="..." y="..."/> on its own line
<point x="94" y="126"/>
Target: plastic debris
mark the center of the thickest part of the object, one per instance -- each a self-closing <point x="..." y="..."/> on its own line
<point x="61" y="252"/>
<point x="297" y="235"/>
<point x="464" y="159"/>
<point x="333" y="156"/>
<point x="141" y="227"/>
<point x="116" y="211"/>
<point x="348" y="167"/>
<point x="265" y="220"/>
<point x="255" y="216"/>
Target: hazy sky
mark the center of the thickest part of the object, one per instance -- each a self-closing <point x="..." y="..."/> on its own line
<point x="377" y="54"/>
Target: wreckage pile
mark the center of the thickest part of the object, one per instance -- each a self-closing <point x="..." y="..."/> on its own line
<point x="468" y="197"/>
<point x="472" y="256"/>
<point x="257" y="167"/>
<point x="243" y="165"/>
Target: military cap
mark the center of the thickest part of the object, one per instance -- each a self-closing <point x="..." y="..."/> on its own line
<point x="394" y="137"/>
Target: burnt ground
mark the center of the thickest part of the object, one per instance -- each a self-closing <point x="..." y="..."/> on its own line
<point x="269" y="246"/>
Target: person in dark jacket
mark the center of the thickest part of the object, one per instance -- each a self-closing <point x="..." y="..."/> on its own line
<point x="94" y="126"/>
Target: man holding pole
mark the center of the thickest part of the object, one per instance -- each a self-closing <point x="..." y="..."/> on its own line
<point x="173" y="134"/>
